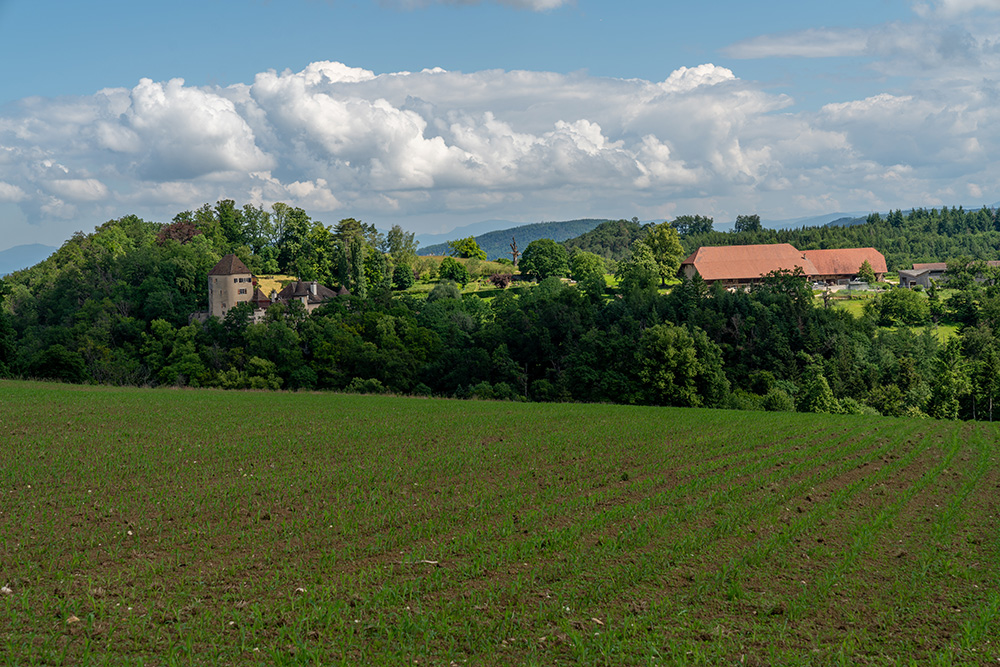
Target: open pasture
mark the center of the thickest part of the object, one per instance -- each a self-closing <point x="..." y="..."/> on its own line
<point x="207" y="527"/>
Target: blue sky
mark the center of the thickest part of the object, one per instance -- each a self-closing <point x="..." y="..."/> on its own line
<point x="438" y="114"/>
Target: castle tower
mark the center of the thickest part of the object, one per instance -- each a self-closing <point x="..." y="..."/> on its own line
<point x="229" y="283"/>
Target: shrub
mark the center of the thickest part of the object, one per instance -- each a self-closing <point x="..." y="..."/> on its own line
<point x="777" y="400"/>
<point x="445" y="290"/>
<point x="402" y="277"/>
<point x="366" y="386"/>
<point x="501" y="280"/>
<point x="452" y="269"/>
<point x="483" y="391"/>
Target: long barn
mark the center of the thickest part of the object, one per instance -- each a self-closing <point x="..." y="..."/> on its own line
<point x="747" y="264"/>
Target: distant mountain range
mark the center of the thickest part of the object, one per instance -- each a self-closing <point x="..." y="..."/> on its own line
<point x="475" y="229"/>
<point x="23" y="256"/>
<point x="496" y="243"/>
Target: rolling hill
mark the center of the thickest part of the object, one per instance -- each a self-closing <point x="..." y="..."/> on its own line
<point x="497" y="243"/>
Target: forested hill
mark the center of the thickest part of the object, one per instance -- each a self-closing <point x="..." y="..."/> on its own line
<point x="920" y="235"/>
<point x="113" y="307"/>
<point x="610" y="239"/>
<point x="497" y="244"/>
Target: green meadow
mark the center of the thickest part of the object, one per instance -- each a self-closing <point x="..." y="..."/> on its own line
<point x="166" y="527"/>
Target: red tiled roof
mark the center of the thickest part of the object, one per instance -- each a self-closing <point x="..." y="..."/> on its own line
<point x="930" y="266"/>
<point x="229" y="265"/>
<point x="746" y="262"/>
<point x="845" y="261"/>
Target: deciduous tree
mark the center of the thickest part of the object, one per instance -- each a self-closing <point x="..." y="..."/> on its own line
<point x="544" y="258"/>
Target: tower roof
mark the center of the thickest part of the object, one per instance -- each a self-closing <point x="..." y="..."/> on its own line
<point x="229" y="265"/>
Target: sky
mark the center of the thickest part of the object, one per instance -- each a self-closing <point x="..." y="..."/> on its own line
<point x="434" y="114"/>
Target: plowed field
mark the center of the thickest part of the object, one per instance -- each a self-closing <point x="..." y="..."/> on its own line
<point x="205" y="527"/>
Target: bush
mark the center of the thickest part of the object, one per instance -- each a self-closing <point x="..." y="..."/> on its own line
<point x="402" y="277"/>
<point x="452" y="269"/>
<point x="777" y="400"/>
<point x="849" y="406"/>
<point x="482" y="391"/>
<point x="366" y="386"/>
<point x="501" y="280"/>
<point x="445" y="290"/>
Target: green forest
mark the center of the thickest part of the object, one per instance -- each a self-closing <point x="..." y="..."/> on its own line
<point x="114" y="306"/>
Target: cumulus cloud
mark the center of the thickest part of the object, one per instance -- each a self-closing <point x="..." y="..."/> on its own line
<point x="186" y="132"/>
<point x="344" y="141"/>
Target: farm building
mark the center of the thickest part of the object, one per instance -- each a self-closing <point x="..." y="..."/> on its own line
<point x="923" y="274"/>
<point x="230" y="283"/>
<point x="746" y="264"/>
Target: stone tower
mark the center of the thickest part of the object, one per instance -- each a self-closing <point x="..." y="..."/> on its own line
<point x="229" y="283"/>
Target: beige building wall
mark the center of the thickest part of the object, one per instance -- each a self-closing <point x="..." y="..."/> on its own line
<point x="224" y="292"/>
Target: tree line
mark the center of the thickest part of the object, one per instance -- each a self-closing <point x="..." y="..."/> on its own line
<point x="112" y="307"/>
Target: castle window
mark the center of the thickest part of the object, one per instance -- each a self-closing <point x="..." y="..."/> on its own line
<point x="243" y="291"/>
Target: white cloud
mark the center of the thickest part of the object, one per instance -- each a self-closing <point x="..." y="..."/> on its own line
<point x="11" y="193"/>
<point x="188" y="132"/>
<point x="812" y="43"/>
<point x="78" y="189"/>
<point x="344" y="141"/>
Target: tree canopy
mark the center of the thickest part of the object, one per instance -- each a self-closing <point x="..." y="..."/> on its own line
<point x="114" y="307"/>
<point x="466" y="248"/>
<point x="544" y="258"/>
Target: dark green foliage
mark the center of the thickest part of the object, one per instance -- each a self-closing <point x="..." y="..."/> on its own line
<point x="747" y="224"/>
<point x="639" y="270"/>
<point x="543" y="259"/>
<point x="402" y="277"/>
<point x="113" y="307"/>
<point x="453" y="270"/>
<point x="7" y="339"/>
<point x="866" y="272"/>
<point x="57" y="363"/>
<point x="692" y="224"/>
<point x="610" y="240"/>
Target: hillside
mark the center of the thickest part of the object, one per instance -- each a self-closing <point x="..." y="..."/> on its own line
<point x="496" y="244"/>
<point x="135" y="530"/>
<point x="611" y="239"/>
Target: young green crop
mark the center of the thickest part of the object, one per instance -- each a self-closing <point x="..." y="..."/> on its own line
<point x="208" y="527"/>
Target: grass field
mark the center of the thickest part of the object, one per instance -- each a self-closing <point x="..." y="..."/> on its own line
<point x="204" y="527"/>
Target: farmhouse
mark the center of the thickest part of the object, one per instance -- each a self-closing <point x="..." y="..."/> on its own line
<point x="230" y="283"/>
<point x="746" y="264"/>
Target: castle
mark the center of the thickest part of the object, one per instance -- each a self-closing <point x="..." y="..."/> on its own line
<point x="230" y="283"/>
